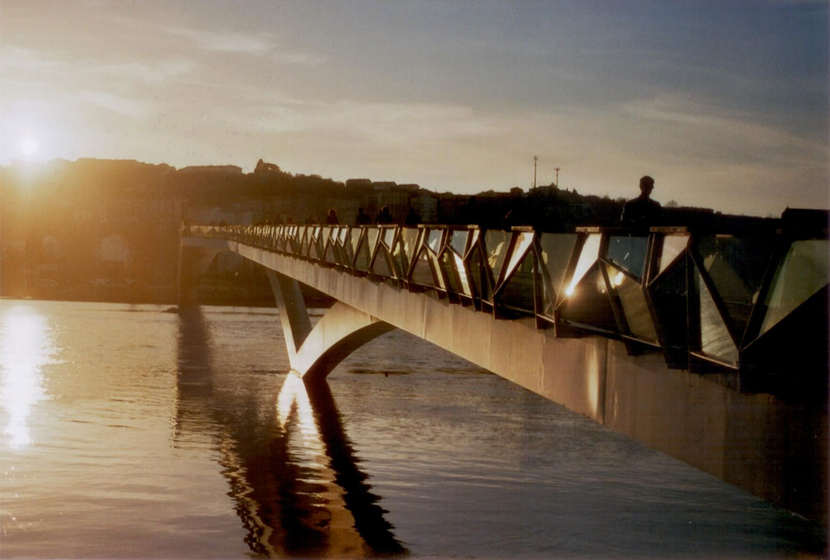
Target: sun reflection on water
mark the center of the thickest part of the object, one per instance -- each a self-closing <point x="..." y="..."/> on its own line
<point x="25" y="346"/>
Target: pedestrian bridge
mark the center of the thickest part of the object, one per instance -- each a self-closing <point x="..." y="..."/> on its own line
<point x="710" y="346"/>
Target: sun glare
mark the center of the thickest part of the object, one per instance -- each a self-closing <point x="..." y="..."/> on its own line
<point x="25" y="347"/>
<point x="29" y="146"/>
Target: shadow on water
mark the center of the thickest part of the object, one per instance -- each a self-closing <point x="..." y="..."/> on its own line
<point x="292" y="470"/>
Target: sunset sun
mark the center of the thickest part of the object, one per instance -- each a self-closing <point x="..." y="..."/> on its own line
<point x="29" y="146"/>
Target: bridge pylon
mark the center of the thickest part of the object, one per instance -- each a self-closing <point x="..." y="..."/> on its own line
<point x="315" y="351"/>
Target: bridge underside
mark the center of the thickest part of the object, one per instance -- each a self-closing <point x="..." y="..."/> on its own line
<point x="772" y="447"/>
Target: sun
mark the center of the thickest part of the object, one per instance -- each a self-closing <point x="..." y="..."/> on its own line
<point x="29" y="146"/>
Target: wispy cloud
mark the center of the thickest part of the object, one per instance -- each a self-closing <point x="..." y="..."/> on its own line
<point x="733" y="133"/>
<point x="18" y="58"/>
<point x="225" y="42"/>
<point x="403" y="123"/>
<point x="120" y="104"/>
<point x="155" y="73"/>
<point x="259" y="44"/>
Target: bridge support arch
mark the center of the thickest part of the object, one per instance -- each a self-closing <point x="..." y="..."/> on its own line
<point x="315" y="351"/>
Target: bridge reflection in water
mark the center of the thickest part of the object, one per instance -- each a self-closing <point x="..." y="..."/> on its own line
<point x="292" y="470"/>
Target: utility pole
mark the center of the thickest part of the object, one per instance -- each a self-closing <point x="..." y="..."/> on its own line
<point x="557" y="177"/>
<point x="535" y="159"/>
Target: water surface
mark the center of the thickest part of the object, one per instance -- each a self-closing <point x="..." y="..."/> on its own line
<point x="131" y="432"/>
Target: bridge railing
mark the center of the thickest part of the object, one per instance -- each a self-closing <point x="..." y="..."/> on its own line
<point x="709" y="301"/>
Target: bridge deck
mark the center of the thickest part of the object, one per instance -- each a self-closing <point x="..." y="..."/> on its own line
<point x="637" y="376"/>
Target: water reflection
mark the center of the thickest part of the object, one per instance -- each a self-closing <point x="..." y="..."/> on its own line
<point x="25" y="346"/>
<point x="291" y="468"/>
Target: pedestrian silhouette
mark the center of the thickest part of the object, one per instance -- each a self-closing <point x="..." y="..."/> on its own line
<point x="642" y="212"/>
<point x="412" y="218"/>
<point x="384" y="217"/>
<point x="362" y="218"/>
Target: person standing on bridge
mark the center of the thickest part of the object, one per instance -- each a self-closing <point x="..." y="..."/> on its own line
<point x="642" y="212"/>
<point x="331" y="219"/>
<point x="385" y="217"/>
<point x="362" y="218"/>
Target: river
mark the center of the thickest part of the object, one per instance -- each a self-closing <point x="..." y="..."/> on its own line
<point x="129" y="431"/>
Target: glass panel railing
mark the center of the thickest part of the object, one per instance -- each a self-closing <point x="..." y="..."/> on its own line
<point x="381" y="266"/>
<point x="801" y="273"/>
<point x="354" y="239"/>
<point x="462" y="276"/>
<point x="372" y="235"/>
<point x="436" y="266"/>
<point x="347" y="247"/>
<point x="421" y="272"/>
<point x="629" y="253"/>
<point x="388" y="237"/>
<point x="588" y="302"/>
<point x="434" y="240"/>
<point x="715" y="340"/>
<point x="404" y="249"/>
<point x="458" y="241"/>
<point x="587" y="257"/>
<point x="496" y="244"/>
<point x="478" y="275"/>
<point x="476" y="235"/>
<point x="736" y="267"/>
<point x="555" y="250"/>
<point x="454" y="268"/>
<point x="669" y="296"/>
<point x="673" y="245"/>
<point x="634" y="305"/>
<point x="362" y="256"/>
<point x="524" y="240"/>
<point x="517" y="293"/>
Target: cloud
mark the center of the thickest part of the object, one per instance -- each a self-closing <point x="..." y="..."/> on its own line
<point x="261" y="44"/>
<point x="224" y="42"/>
<point x="155" y="73"/>
<point x="394" y="123"/>
<point x="18" y="58"/>
<point x="122" y="105"/>
<point x="739" y="138"/>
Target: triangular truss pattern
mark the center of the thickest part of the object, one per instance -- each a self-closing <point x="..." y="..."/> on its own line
<point x="715" y="338"/>
<point x="458" y="241"/>
<point x="628" y="252"/>
<point x="521" y="245"/>
<point x="672" y="247"/>
<point x="496" y="244"/>
<point x="634" y="307"/>
<point x="405" y="246"/>
<point x="517" y="292"/>
<point x="555" y="252"/>
<point x="480" y="277"/>
<point x="802" y="273"/>
<point x="588" y="303"/>
<point x="588" y="255"/>
<point x="362" y="254"/>
<point x="422" y="273"/>
<point x="382" y="262"/>
<point x="700" y="296"/>
<point x="735" y="268"/>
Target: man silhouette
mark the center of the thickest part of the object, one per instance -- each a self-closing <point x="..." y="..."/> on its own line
<point x="642" y="212"/>
<point x="362" y="219"/>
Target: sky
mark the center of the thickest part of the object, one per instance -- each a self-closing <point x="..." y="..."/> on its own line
<point x="724" y="103"/>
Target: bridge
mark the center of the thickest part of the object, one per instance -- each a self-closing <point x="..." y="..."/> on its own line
<point x="710" y="346"/>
